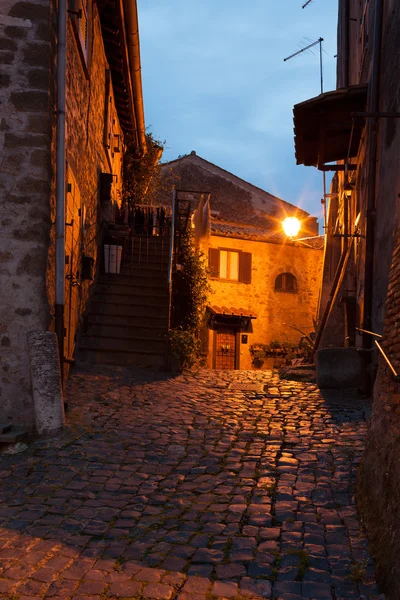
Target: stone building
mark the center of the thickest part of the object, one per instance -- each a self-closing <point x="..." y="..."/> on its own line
<point x="355" y="132"/>
<point x="49" y="180"/>
<point x="264" y="287"/>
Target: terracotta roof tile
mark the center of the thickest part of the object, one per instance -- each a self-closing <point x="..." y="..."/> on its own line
<point x="231" y="311"/>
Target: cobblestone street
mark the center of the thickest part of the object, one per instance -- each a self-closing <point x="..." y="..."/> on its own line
<point x="217" y="484"/>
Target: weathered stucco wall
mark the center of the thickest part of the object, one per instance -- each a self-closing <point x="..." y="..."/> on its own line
<point x="26" y="93"/>
<point x="379" y="482"/>
<point x="276" y="311"/>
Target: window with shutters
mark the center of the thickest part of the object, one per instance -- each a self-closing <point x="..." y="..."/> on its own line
<point x="286" y="282"/>
<point x="81" y="11"/>
<point x="230" y="265"/>
<point x="109" y="118"/>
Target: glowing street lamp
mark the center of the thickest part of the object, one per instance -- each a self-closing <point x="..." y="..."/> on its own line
<point x="291" y="226"/>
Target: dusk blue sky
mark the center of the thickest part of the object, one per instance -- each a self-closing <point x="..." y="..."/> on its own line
<point x="214" y="81"/>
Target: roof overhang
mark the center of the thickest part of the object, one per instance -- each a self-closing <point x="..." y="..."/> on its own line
<point x="325" y="129"/>
<point x="121" y="43"/>
<point x="225" y="311"/>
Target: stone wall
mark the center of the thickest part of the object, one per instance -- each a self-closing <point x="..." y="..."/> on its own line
<point x="379" y="482"/>
<point x="233" y="198"/>
<point x="26" y="99"/>
<point x="89" y="90"/>
<point x="27" y="179"/>
<point x="277" y="312"/>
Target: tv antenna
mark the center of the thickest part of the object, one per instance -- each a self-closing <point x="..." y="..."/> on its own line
<point x="307" y="3"/>
<point x="318" y="41"/>
<point x="305" y="49"/>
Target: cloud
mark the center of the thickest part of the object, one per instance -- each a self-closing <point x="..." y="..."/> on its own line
<point x="215" y="81"/>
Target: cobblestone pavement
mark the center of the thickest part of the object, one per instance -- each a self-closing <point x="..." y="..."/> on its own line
<point x="215" y="484"/>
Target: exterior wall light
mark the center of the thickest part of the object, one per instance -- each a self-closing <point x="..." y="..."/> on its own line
<point x="291" y="226"/>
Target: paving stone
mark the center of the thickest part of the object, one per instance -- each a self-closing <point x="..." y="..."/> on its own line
<point x="253" y="587"/>
<point x="196" y="585"/>
<point x="230" y="571"/>
<point x="224" y="589"/>
<point x="187" y="478"/>
<point x="284" y="588"/>
<point x="158" y="591"/>
<point x="125" y="588"/>
<point x="321" y="591"/>
<point x="200" y="570"/>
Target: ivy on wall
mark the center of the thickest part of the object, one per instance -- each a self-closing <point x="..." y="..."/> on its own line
<point x="143" y="183"/>
<point x="190" y="286"/>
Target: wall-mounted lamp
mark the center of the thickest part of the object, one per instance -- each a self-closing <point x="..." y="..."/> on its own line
<point x="348" y="189"/>
<point x="291" y="226"/>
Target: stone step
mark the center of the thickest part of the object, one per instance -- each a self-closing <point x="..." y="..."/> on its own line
<point x="153" y="264"/>
<point x="124" y="331"/>
<point x="103" y="356"/>
<point x="153" y="240"/>
<point x="123" y="344"/>
<point x="150" y="254"/>
<point x="136" y="293"/>
<point x="137" y="309"/>
<point x="118" y="320"/>
<point x="13" y="435"/>
<point x="126" y="280"/>
<point x="130" y="299"/>
<point x="156" y="275"/>
<point x="148" y="265"/>
<point x="132" y="288"/>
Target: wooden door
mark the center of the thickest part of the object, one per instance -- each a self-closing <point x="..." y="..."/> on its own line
<point x="225" y="348"/>
<point x="73" y="225"/>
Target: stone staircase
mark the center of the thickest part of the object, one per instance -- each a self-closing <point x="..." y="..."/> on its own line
<point x="127" y="323"/>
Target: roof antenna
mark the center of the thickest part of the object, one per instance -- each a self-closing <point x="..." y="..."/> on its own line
<point x="318" y="41"/>
<point x="307" y="3"/>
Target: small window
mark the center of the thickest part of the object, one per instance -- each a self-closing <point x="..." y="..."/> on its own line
<point x="81" y="11"/>
<point x="230" y="265"/>
<point x="109" y="118"/>
<point x="286" y="282"/>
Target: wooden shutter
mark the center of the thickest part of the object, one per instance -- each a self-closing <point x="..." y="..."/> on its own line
<point x="213" y="262"/>
<point x="83" y="26"/>
<point x="245" y="267"/>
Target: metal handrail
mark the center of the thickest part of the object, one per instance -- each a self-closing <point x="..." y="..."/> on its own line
<point x="391" y="367"/>
<point x="381" y="350"/>
<point x="378" y="335"/>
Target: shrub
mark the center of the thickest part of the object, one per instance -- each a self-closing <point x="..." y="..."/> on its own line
<point x="189" y="286"/>
<point x="186" y="346"/>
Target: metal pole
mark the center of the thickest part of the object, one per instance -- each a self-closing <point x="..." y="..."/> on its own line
<point x="323" y="172"/>
<point x="60" y="177"/>
<point x="171" y="256"/>
<point x="372" y="168"/>
<point x="391" y="367"/>
<point x="320" y="65"/>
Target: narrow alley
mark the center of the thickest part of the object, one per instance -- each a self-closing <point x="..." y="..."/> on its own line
<point x="206" y="485"/>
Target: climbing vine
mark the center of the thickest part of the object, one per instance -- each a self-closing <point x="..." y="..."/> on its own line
<point x="144" y="183"/>
<point x="190" y="286"/>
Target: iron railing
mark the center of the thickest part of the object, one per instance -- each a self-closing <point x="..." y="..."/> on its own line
<point x="381" y="350"/>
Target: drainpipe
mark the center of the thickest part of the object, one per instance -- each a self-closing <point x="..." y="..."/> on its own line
<point x="60" y="177"/>
<point x="132" y="29"/>
<point x="346" y="57"/>
<point x="372" y="156"/>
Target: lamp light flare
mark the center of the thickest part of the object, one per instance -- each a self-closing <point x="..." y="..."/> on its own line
<point x="291" y="226"/>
